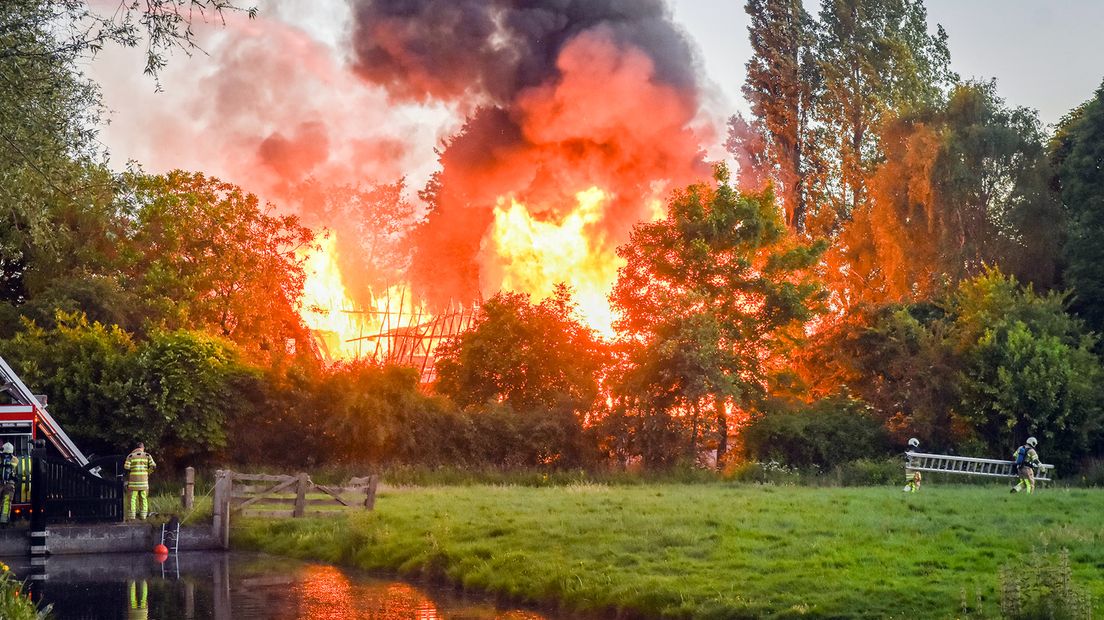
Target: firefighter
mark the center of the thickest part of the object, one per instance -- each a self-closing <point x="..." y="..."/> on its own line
<point x="1027" y="464"/>
<point x="7" y="480"/>
<point x="139" y="464"/>
<point x="912" y="478"/>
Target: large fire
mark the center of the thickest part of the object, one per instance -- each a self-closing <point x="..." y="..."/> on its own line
<point x="534" y="256"/>
<point x="343" y="329"/>
<point x="575" y="127"/>
<point x="521" y="252"/>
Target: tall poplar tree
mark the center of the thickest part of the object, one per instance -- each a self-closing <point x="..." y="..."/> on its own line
<point x="781" y="79"/>
<point x="876" y="59"/>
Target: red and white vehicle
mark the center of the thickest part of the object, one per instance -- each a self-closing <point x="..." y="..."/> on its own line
<point x="21" y="423"/>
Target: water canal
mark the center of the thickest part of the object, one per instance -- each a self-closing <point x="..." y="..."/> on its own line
<point x="241" y="586"/>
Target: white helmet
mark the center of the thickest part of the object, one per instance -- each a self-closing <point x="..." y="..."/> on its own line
<point x="914" y="443"/>
<point x="7" y="448"/>
<point x="1031" y="441"/>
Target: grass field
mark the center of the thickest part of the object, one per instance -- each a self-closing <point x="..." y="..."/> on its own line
<point x="727" y="551"/>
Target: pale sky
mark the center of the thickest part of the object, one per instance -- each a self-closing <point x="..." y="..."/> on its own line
<point x="1045" y="54"/>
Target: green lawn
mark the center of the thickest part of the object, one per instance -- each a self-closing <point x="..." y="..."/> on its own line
<point x="722" y="551"/>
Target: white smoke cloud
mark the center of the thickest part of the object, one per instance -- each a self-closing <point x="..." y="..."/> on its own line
<point x="267" y="103"/>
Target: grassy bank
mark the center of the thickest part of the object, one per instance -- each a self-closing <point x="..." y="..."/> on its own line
<point x="723" y="551"/>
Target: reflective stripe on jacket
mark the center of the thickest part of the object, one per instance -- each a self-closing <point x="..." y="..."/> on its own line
<point x="139" y="464"/>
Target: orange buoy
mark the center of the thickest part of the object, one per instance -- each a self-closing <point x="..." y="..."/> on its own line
<point x="161" y="550"/>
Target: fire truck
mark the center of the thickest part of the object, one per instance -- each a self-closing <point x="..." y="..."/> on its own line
<point x="23" y="421"/>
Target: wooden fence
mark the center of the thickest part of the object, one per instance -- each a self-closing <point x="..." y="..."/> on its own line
<point x="266" y="495"/>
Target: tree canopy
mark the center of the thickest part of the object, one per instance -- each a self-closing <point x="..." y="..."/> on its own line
<point x="528" y="356"/>
<point x="706" y="298"/>
<point x="1077" y="151"/>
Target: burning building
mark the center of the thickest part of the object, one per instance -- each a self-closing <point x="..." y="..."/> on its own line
<point x="559" y="125"/>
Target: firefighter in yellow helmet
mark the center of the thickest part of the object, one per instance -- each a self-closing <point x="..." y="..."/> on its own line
<point x="7" y="481"/>
<point x="139" y="464"/>
<point x="1027" y="465"/>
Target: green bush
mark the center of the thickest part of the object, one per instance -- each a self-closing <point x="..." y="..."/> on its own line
<point x="821" y="436"/>
<point x="869" y="472"/>
<point x="170" y="391"/>
<point x="1091" y="474"/>
<point x="1041" y="586"/>
<point x="770" y="472"/>
<point x="14" y="603"/>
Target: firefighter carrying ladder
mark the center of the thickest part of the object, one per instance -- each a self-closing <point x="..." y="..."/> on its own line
<point x="13" y="385"/>
<point x="944" y="464"/>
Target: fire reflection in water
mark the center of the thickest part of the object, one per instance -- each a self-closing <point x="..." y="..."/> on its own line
<point x="234" y="586"/>
<point x="325" y="592"/>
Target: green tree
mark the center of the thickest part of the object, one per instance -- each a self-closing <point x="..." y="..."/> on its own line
<point x="78" y="29"/>
<point x="203" y="254"/>
<point x="822" y="435"/>
<point x="171" y="391"/>
<point x="1077" y="151"/>
<point x="47" y="117"/>
<point x="524" y="355"/>
<point x="876" y="59"/>
<point x="900" y="361"/>
<point x="782" y="77"/>
<point x="85" y="370"/>
<point x="979" y="369"/>
<point x="371" y="412"/>
<point x="282" y="417"/>
<point x="706" y="298"/>
<point x="63" y="220"/>
<point x="1029" y="368"/>
<point x="960" y="187"/>
<point x="181" y="393"/>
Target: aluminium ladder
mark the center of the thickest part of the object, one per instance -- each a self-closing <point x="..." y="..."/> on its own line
<point x="945" y="464"/>
<point x="170" y="534"/>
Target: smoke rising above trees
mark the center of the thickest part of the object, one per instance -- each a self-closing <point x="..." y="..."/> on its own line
<point x="559" y="97"/>
<point x="489" y="51"/>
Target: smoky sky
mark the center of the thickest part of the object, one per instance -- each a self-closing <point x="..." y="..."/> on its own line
<point x="491" y="49"/>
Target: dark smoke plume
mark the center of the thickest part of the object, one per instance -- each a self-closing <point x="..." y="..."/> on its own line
<point x="453" y="49"/>
<point x="560" y="95"/>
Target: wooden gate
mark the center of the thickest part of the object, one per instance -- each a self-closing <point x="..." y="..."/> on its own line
<point x="266" y="495"/>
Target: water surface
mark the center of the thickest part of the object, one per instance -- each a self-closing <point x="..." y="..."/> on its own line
<point x="241" y="586"/>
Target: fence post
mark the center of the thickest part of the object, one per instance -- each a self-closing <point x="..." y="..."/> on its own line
<point x="300" y="496"/>
<point x="189" y="487"/>
<point x="39" y="482"/>
<point x="370" y="494"/>
<point x="216" y="505"/>
<point x="223" y="493"/>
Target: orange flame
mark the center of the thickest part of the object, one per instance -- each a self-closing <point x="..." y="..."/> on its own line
<point x="343" y="329"/>
<point x="533" y="256"/>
